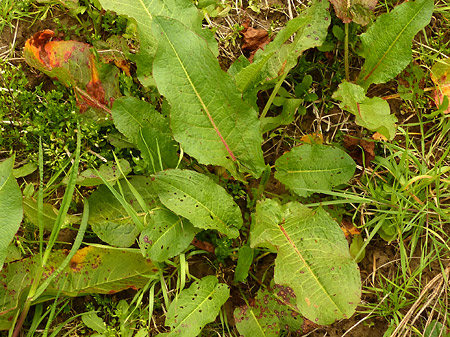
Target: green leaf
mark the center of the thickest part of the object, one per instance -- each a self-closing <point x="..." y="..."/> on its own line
<point x="286" y="117"/>
<point x="49" y="214"/>
<point x="245" y="260"/>
<point x="314" y="167"/>
<point x="10" y="205"/>
<point x="110" y="221"/>
<point x="158" y="149"/>
<point x="310" y="30"/>
<point x="196" y="306"/>
<point x="130" y="115"/>
<point x="148" y="130"/>
<point x="371" y="113"/>
<point x="109" y="171"/>
<point x="271" y="312"/>
<point x="199" y="199"/>
<point x="256" y="320"/>
<point x="165" y="236"/>
<point x="144" y="11"/>
<point x="387" y="44"/>
<point x="91" y="270"/>
<point x="92" y="321"/>
<point x="208" y="117"/>
<point x="24" y="170"/>
<point x="355" y="247"/>
<point x="282" y="301"/>
<point x="312" y="258"/>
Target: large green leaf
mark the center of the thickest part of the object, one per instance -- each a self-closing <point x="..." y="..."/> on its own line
<point x="208" y="117"/>
<point x="91" y="270"/>
<point x="200" y="200"/>
<point x="372" y="113"/>
<point x="195" y="307"/>
<point x="165" y="236"/>
<point x="313" y="259"/>
<point x="11" y="211"/>
<point x="110" y="221"/>
<point x="131" y="114"/>
<point x="144" y="11"/>
<point x="308" y="168"/>
<point x="310" y="30"/>
<point x="148" y="130"/>
<point x="387" y="44"/>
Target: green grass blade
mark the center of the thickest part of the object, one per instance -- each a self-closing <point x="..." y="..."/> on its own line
<point x="73" y="250"/>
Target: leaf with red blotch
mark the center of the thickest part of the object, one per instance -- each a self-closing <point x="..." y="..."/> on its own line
<point x="358" y="11"/>
<point x="440" y="75"/>
<point x="74" y="64"/>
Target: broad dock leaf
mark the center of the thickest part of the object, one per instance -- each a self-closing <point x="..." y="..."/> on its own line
<point x="148" y="130"/>
<point x="387" y="44"/>
<point x="144" y="11"/>
<point x="130" y="114"/>
<point x="199" y="199"/>
<point x="208" y="117"/>
<point x="313" y="259"/>
<point x="165" y="236"/>
<point x="314" y="167"/>
<point x="91" y="270"/>
<point x="196" y="306"/>
<point x="110" y="221"/>
<point x="11" y="211"/>
<point x="372" y="113"/>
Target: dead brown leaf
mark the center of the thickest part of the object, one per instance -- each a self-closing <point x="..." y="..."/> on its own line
<point x="254" y="39"/>
<point x="362" y="151"/>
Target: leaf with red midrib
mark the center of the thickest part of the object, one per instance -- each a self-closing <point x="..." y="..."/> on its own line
<point x="74" y="64"/>
<point x="208" y="116"/>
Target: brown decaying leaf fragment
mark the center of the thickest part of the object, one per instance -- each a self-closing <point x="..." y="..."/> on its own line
<point x="349" y="229"/>
<point x="206" y="246"/>
<point x="74" y="64"/>
<point x="358" y="147"/>
<point x="254" y="39"/>
<point x="358" y="11"/>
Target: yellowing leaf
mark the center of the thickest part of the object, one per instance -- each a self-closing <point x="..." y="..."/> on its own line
<point x="74" y="64"/>
<point x="312" y="138"/>
<point x="441" y="78"/>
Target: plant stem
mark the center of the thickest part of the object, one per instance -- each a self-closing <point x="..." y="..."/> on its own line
<point x="272" y="96"/>
<point x="347" y="73"/>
